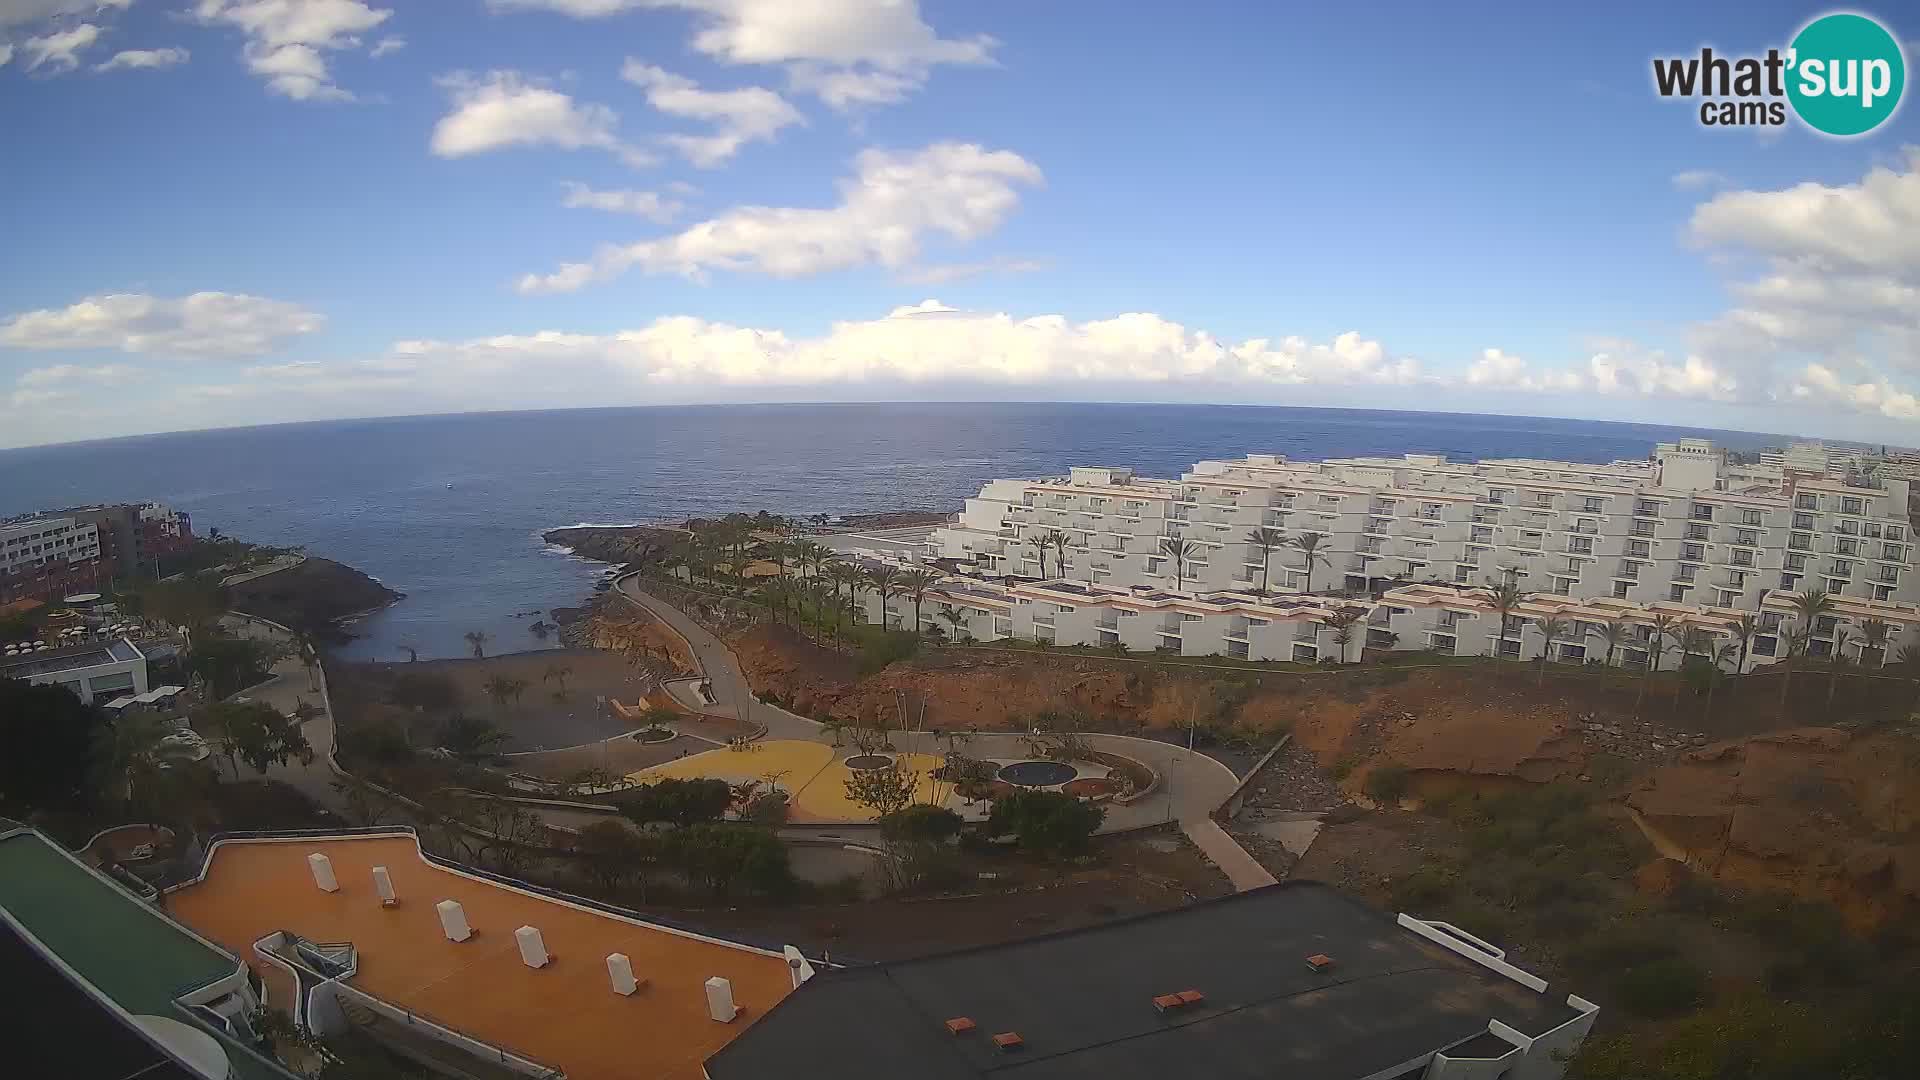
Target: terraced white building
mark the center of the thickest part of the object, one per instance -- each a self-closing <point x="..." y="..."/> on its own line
<point x="1410" y="541"/>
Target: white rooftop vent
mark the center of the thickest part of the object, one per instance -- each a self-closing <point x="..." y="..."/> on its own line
<point x="798" y="966"/>
<point x="720" y="1004"/>
<point x="453" y="919"/>
<point x="533" y="949"/>
<point x="383" y="885"/>
<point x="620" y="974"/>
<point x="322" y="868"/>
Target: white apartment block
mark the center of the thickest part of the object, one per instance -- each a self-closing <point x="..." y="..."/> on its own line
<point x="1682" y="534"/>
<point x="31" y="544"/>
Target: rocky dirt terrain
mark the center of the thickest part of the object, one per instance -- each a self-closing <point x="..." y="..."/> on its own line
<point x="619" y="544"/>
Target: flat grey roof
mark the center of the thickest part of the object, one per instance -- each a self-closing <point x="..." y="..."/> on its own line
<point x="1082" y="1001"/>
<point x="68" y="659"/>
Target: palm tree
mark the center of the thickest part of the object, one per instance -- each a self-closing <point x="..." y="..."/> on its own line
<point x="557" y="673"/>
<point x="915" y="582"/>
<point x="1266" y="538"/>
<point x="1838" y="659"/>
<point x="1614" y="632"/>
<point x="1666" y="629"/>
<point x="1720" y="656"/>
<point x="1695" y="641"/>
<point x="1041" y="543"/>
<point x="956" y="618"/>
<point x="885" y="581"/>
<point x="1873" y="639"/>
<point x="413" y="653"/>
<point x="1808" y="608"/>
<point x="1059" y="540"/>
<point x="1743" y="634"/>
<point x="1179" y="551"/>
<point x="1505" y="596"/>
<point x="1342" y="622"/>
<point x="478" y="639"/>
<point x="499" y="688"/>
<point x="1908" y="657"/>
<point x="838" y="574"/>
<point x="1554" y="627"/>
<point x="134" y="758"/>
<point x="1309" y="545"/>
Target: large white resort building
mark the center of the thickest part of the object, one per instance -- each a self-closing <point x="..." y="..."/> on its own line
<point x="1413" y="541"/>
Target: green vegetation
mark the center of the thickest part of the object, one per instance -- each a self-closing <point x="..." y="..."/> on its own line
<point x="229" y="664"/>
<point x="676" y="802"/>
<point x="47" y="739"/>
<point x="1045" y="822"/>
<point x="253" y="732"/>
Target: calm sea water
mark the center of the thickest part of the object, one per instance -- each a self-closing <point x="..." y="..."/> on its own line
<point x="449" y="509"/>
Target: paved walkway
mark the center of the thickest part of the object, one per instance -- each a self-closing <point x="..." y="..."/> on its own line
<point x="1192" y="784"/>
<point x="1222" y="851"/>
<point x="293" y="685"/>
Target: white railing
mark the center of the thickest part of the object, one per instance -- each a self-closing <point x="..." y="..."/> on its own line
<point x="443" y="1033"/>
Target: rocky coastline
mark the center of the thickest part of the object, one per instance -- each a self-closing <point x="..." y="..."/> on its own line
<point x="316" y="595"/>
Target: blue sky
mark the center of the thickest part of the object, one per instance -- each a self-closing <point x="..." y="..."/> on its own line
<point x="268" y="210"/>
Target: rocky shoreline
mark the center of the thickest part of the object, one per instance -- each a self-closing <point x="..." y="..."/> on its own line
<point x="316" y="595"/>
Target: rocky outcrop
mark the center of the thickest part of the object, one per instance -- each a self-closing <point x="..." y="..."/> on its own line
<point x="313" y="596"/>
<point x="1812" y="811"/>
<point x="624" y="545"/>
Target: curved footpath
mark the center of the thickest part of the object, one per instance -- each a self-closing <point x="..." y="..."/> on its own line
<point x="1192" y="785"/>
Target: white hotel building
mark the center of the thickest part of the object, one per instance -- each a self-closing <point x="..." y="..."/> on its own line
<point x="1683" y="533"/>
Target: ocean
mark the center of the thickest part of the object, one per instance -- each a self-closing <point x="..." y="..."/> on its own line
<point x="449" y="509"/>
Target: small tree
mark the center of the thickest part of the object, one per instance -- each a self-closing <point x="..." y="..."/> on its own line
<point x="470" y="737"/>
<point x="477" y="639"/>
<point x="956" y="618"/>
<point x="616" y="854"/>
<point x="1613" y="633"/>
<point x="915" y="583"/>
<point x="1045" y="822"/>
<point x="883" y="791"/>
<point x="558" y="674"/>
<point x="256" y="733"/>
<point x="677" y="802"/>
<point x="1343" y="621"/>
<point x="1505" y="595"/>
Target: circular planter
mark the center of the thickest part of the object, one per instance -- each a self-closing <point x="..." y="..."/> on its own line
<point x="1091" y="787"/>
<point x="868" y="762"/>
<point x="650" y="736"/>
<point x="1037" y="774"/>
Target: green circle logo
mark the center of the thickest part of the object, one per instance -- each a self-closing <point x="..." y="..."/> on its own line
<point x="1845" y="74"/>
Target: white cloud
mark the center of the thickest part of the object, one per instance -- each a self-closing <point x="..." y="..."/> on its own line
<point x="893" y="201"/>
<point x="143" y="58"/>
<point x="6" y="53"/>
<point x="103" y="374"/>
<point x="25" y="12"/>
<point x="205" y="324"/>
<point x="1833" y="312"/>
<point x="1698" y="179"/>
<point x="392" y="43"/>
<point x="941" y="273"/>
<point x="846" y="52"/>
<point x="1819" y="384"/>
<point x="60" y="50"/>
<point x="647" y="204"/>
<point x="286" y="39"/>
<point x="739" y="116"/>
<point x="504" y="109"/>
<point x="1868" y="226"/>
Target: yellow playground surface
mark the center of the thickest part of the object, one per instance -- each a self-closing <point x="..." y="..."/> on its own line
<point x="813" y="772"/>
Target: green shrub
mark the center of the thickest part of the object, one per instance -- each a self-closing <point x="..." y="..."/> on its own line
<point x="1387" y="784"/>
<point x="1045" y="822"/>
<point x="1423" y="890"/>
<point x="1665" y="987"/>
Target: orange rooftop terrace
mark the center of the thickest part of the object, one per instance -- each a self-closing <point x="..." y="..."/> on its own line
<point x="564" y="1015"/>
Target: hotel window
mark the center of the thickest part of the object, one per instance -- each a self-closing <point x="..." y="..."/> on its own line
<point x="1894" y="552"/>
<point x="1677" y="593"/>
<point x="1836" y="585"/>
<point x="1803" y="521"/>
<point x="1646" y="506"/>
<point x="1582" y="545"/>
<point x="1841" y="568"/>
<point x="1825" y="625"/>
<point x="1461" y="573"/>
<point x="1639" y="549"/>
<point x="1749" y="517"/>
<point x="1847" y="527"/>
<point x="1746" y="537"/>
<point x="1883" y="592"/>
<point x="1629" y="570"/>
<point x="1800" y="541"/>
<point x="1696" y="532"/>
<point x="1789" y="582"/>
<point x="1685" y="573"/>
<point x="1895" y="532"/>
<point x="1542" y="499"/>
<point x="1852" y="506"/>
<point x="1692" y="552"/>
<point x="1620" y="590"/>
<point x="1702" y="512"/>
<point x="1743" y="558"/>
<point x="1728" y="599"/>
<point x="1594" y="504"/>
<point x="1796" y="562"/>
<point x="1846" y="547"/>
<point x="1806" y="502"/>
<point x="1643" y="528"/>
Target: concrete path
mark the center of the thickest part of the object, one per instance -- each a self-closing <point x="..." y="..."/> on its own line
<point x="1220" y="849"/>
<point x="717" y="663"/>
<point x="292" y="686"/>
<point x="1192" y="785"/>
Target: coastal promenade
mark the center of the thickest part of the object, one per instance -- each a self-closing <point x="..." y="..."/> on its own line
<point x="290" y="686"/>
